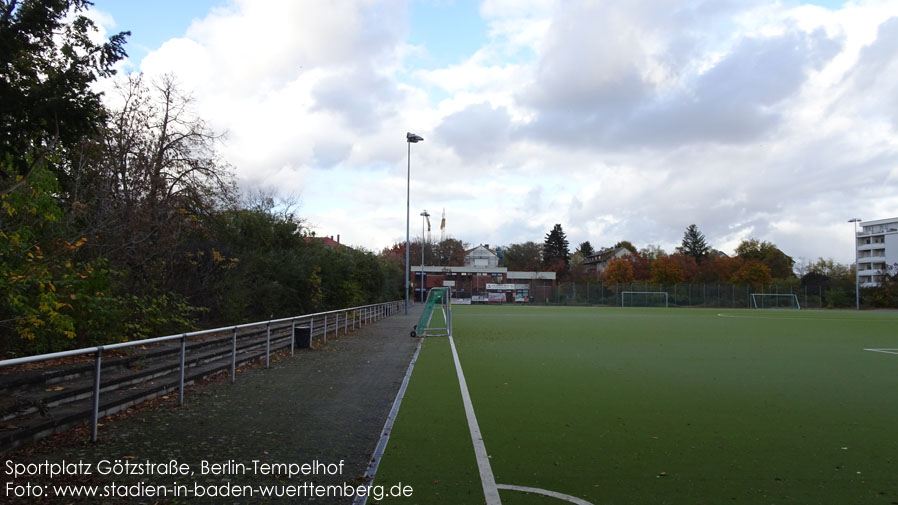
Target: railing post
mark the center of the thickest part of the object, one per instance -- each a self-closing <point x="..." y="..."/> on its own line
<point x="234" y="355"/>
<point x="268" y="345"/>
<point x="292" y="335"/>
<point x="346" y="323"/>
<point x="337" y="325"/>
<point x="311" y="330"/>
<point x="324" y="333"/>
<point x="95" y="415"/>
<point x="183" y="364"/>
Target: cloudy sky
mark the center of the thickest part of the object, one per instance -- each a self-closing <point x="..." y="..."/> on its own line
<point x="619" y="120"/>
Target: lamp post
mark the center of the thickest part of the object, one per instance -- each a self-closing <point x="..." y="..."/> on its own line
<point x="410" y="138"/>
<point x="424" y="216"/>
<point x="857" y="290"/>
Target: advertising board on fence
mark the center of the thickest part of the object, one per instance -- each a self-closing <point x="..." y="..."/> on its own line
<point x="499" y="287"/>
<point x="497" y="297"/>
<point x="461" y="301"/>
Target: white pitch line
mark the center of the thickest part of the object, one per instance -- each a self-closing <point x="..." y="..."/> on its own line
<point x="736" y="316"/>
<point x="884" y="351"/>
<point x="490" y="490"/>
<point x="371" y="471"/>
<point x="488" y="480"/>
<point x="553" y="494"/>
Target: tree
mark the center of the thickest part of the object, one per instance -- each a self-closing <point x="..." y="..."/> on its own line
<point x="585" y="249"/>
<point x="618" y="271"/>
<point x="885" y="295"/>
<point x="156" y="173"/>
<point x="47" y="65"/>
<point x="52" y="299"/>
<point x="835" y="281"/>
<point x="752" y="272"/>
<point x="525" y="257"/>
<point x="719" y="269"/>
<point x="577" y="269"/>
<point x="451" y="252"/>
<point x="642" y="267"/>
<point x="652" y="252"/>
<point x="556" y="256"/>
<point x="687" y="264"/>
<point x="694" y="244"/>
<point x="666" y="270"/>
<point x="779" y="264"/>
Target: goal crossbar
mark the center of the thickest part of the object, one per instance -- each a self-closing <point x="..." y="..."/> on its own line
<point x="646" y="294"/>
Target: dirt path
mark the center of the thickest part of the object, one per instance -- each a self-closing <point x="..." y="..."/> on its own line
<point x="321" y="407"/>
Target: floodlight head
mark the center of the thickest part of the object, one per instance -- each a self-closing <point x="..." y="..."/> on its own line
<point x="424" y="214"/>
<point x="855" y="220"/>
<point x="412" y="138"/>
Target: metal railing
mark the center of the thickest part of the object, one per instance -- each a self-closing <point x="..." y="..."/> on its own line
<point x="360" y="315"/>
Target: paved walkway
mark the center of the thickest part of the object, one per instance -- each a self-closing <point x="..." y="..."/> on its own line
<point x="323" y="406"/>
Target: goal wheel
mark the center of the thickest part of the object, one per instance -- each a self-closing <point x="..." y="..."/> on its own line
<point x="413" y="334"/>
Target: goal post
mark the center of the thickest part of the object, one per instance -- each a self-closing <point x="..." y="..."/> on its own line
<point x="437" y="298"/>
<point x="775" y="301"/>
<point x="643" y="299"/>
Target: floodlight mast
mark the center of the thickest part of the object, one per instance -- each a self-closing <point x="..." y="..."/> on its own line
<point x="857" y="284"/>
<point x="410" y="138"/>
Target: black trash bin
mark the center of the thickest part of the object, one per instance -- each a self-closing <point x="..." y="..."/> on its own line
<point x="302" y="338"/>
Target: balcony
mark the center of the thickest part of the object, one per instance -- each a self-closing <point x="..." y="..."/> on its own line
<point x="878" y="230"/>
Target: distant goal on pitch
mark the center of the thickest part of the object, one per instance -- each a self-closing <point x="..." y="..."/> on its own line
<point x="775" y="301"/>
<point x="643" y="299"/>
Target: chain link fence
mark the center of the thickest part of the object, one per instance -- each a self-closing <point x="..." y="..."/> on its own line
<point x="678" y="295"/>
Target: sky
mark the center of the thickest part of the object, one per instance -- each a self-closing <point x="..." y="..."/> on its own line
<point x="618" y="120"/>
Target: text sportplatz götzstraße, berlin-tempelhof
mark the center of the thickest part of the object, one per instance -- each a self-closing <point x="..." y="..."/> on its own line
<point x="172" y="467"/>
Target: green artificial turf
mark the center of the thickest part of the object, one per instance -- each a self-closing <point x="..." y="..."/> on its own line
<point x="656" y="406"/>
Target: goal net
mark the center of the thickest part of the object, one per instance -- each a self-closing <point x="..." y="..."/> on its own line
<point x="437" y="300"/>
<point x="643" y="299"/>
<point x="774" y="301"/>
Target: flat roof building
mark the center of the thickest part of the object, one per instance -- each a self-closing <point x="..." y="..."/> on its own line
<point x="482" y="280"/>
<point x="877" y="250"/>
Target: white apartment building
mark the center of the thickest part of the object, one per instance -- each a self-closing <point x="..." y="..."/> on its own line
<point x="877" y="249"/>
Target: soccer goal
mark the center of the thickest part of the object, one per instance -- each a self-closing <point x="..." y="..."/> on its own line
<point x="775" y="301"/>
<point x="643" y="299"/>
<point x="437" y="298"/>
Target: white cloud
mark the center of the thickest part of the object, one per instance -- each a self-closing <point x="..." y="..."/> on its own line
<point x="619" y="120"/>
